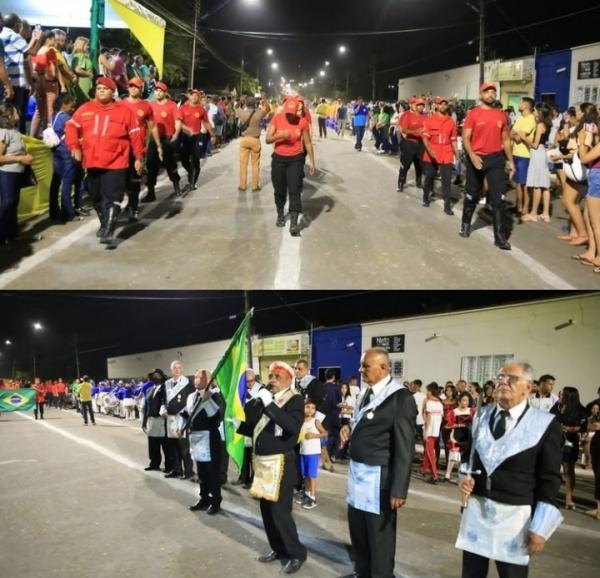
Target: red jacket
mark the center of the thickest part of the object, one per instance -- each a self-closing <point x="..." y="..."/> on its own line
<point x="106" y="134"/>
<point x="440" y="132"/>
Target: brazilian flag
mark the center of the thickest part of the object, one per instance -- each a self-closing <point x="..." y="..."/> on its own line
<point x="17" y="399"/>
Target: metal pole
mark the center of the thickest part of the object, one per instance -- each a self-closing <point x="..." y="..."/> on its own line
<point x="192" y="72"/>
<point x="481" y="42"/>
<point x="373" y="85"/>
<point x="242" y="72"/>
<point x="246" y="310"/>
<point x="347" y="83"/>
<point x="34" y="365"/>
<point x="76" y="346"/>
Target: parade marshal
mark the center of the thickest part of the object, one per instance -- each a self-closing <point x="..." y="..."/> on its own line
<point x="511" y="483"/>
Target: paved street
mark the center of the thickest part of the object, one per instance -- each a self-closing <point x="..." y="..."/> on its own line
<point x="77" y="504"/>
<point x="358" y="233"/>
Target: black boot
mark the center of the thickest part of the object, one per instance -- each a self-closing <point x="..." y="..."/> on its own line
<point x="419" y="183"/>
<point x="150" y="197"/>
<point x="465" y="226"/>
<point x="102" y="219"/>
<point x="499" y="238"/>
<point x="132" y="215"/>
<point x="294" y="227"/>
<point x="401" y="183"/>
<point x="280" y="217"/>
<point x="176" y="189"/>
<point x="111" y="224"/>
<point x="448" y="207"/>
<point x="425" y="199"/>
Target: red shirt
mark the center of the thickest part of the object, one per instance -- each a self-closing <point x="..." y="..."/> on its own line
<point x="412" y="121"/>
<point x="193" y="117"/>
<point x="165" y="116"/>
<point x="142" y="110"/>
<point x="293" y="146"/>
<point x="106" y="135"/>
<point x="40" y="392"/>
<point x="440" y="132"/>
<point x="60" y="386"/>
<point x="487" y="125"/>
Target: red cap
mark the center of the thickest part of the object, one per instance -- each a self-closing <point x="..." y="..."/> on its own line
<point x="137" y="82"/>
<point x="440" y="99"/>
<point x="291" y="106"/>
<point x="416" y="101"/>
<point x="107" y="82"/>
<point x="162" y="86"/>
<point x="196" y="91"/>
<point x="487" y="86"/>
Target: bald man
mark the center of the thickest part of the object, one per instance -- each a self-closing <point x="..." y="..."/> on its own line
<point x="382" y="436"/>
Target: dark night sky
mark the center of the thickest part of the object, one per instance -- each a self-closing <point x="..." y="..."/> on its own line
<point x="117" y="323"/>
<point x="410" y="54"/>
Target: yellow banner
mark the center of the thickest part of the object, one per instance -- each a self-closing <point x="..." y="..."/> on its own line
<point x="35" y="200"/>
<point x="148" y="28"/>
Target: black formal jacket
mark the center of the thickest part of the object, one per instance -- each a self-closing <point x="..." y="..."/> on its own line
<point x="153" y="402"/>
<point x="202" y="421"/>
<point x="289" y="418"/>
<point x="388" y="439"/>
<point x="528" y="477"/>
<point x="177" y="404"/>
<point x="315" y="391"/>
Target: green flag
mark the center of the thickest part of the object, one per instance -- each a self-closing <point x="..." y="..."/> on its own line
<point x="230" y="375"/>
<point x="17" y="399"/>
<point x="97" y="21"/>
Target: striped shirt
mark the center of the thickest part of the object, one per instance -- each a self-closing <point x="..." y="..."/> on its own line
<point x="14" y="56"/>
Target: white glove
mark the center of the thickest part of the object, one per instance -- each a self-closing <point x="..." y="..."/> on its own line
<point x="265" y="396"/>
<point x="236" y="422"/>
<point x="162" y="412"/>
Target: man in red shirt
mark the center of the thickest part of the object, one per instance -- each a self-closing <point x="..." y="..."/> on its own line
<point x="165" y="116"/>
<point x="145" y="117"/>
<point x="411" y="146"/>
<point x="40" y="398"/>
<point x="439" y="138"/>
<point x="102" y="135"/>
<point x="486" y="140"/>
<point x="191" y="119"/>
<point x="61" y="388"/>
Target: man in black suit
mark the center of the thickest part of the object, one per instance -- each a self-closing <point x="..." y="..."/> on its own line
<point x="154" y="422"/>
<point x="308" y="385"/>
<point x="511" y="484"/>
<point x="275" y="423"/>
<point x="382" y="446"/>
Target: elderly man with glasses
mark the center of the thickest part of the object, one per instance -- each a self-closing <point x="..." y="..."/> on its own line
<point x="511" y="483"/>
<point x="274" y="425"/>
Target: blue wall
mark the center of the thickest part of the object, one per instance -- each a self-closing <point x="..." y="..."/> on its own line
<point x="330" y="349"/>
<point x="549" y="81"/>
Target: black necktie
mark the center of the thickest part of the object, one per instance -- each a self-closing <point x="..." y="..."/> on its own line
<point x="500" y="428"/>
<point x="367" y="398"/>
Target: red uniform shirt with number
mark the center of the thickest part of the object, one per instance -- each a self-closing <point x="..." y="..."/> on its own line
<point x="193" y="116"/>
<point x="106" y="134"/>
<point x="412" y="121"/>
<point x="487" y="125"/>
<point x="142" y="110"/>
<point x="164" y="117"/>
<point x="293" y="145"/>
<point x="440" y="132"/>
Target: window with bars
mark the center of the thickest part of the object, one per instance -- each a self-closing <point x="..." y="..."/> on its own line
<point x="481" y="368"/>
<point x="397" y="368"/>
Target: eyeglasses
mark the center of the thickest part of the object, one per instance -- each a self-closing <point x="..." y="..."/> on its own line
<point x="511" y="377"/>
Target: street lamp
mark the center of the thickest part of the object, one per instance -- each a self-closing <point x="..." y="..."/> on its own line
<point x="342" y="49"/>
<point x="274" y="66"/>
<point x="321" y="73"/>
<point x="8" y="342"/>
<point x="327" y="63"/>
<point x="270" y="51"/>
<point x="37" y="326"/>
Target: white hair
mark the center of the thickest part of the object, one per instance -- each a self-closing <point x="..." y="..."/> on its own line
<point x="174" y="363"/>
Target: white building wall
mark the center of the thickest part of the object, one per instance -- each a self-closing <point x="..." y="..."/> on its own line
<point x="526" y="331"/>
<point x="584" y="90"/>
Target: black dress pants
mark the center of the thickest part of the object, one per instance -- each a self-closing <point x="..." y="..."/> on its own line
<point x="106" y="187"/>
<point x="411" y="152"/>
<point x="179" y="451"/>
<point x="322" y="127"/>
<point x="277" y="516"/>
<point x="429" y="169"/>
<point x="247" y="472"/>
<point x="209" y="475"/>
<point x="475" y="566"/>
<point x="86" y="406"/>
<point x="133" y="185"/>
<point x="191" y="153"/>
<point x="373" y="536"/>
<point x="169" y="161"/>
<point x="493" y="171"/>
<point x="287" y="174"/>
<point x="155" y="444"/>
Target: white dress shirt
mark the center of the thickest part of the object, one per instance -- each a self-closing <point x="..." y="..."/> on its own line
<point x="513" y="416"/>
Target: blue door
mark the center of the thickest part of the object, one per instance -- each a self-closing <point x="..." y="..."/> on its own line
<point x="553" y="78"/>
<point x="337" y="348"/>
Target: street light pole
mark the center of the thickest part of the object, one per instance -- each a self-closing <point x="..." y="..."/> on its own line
<point x="196" y="17"/>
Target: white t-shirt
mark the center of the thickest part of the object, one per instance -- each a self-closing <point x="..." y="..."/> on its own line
<point x="543" y="403"/>
<point x="312" y="446"/>
<point x="435" y="410"/>
<point x="419" y="396"/>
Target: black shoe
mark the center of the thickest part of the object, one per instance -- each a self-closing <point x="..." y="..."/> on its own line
<point x="151" y="469"/>
<point x="176" y="189"/>
<point x="499" y="239"/>
<point x="172" y="475"/>
<point x="457" y="181"/>
<point x="270" y="557"/>
<point x="150" y="197"/>
<point x="237" y="483"/>
<point x="426" y="203"/>
<point x="111" y="224"/>
<point x="247" y="486"/>
<point x="400" y="187"/>
<point x="198" y="506"/>
<point x="213" y="509"/>
<point x="448" y="210"/>
<point x="419" y="184"/>
<point x="465" y="230"/>
<point x="294" y="227"/>
<point x="132" y="215"/>
<point x="292" y="566"/>
<point x="280" y="217"/>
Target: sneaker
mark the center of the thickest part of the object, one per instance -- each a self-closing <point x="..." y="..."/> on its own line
<point x="309" y="503"/>
<point x="301" y="498"/>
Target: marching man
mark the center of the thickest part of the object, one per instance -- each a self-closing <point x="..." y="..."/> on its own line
<point x="512" y="481"/>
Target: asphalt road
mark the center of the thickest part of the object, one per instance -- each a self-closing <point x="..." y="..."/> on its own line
<point x="77" y="503"/>
<point x="358" y="233"/>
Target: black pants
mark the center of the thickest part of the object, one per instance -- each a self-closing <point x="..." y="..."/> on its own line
<point x="169" y="161"/>
<point x="429" y="169"/>
<point x="191" y="153"/>
<point x="322" y="127"/>
<point x="475" y="566"/>
<point x="595" y="454"/>
<point x="411" y="152"/>
<point x="39" y="409"/>
<point x="373" y="536"/>
<point x="133" y="185"/>
<point x="179" y="451"/>
<point x="360" y="133"/>
<point x="277" y="516"/>
<point x="209" y="474"/>
<point x="155" y="444"/>
<point x="85" y="407"/>
<point x="287" y="174"/>
<point x="106" y="187"/>
<point x="224" y="462"/>
<point x="247" y="472"/>
<point x="61" y="401"/>
<point x="493" y="171"/>
<point x="21" y="102"/>
<point x="333" y="439"/>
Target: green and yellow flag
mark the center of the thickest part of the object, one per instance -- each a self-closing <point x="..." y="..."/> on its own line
<point x="17" y="399"/>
